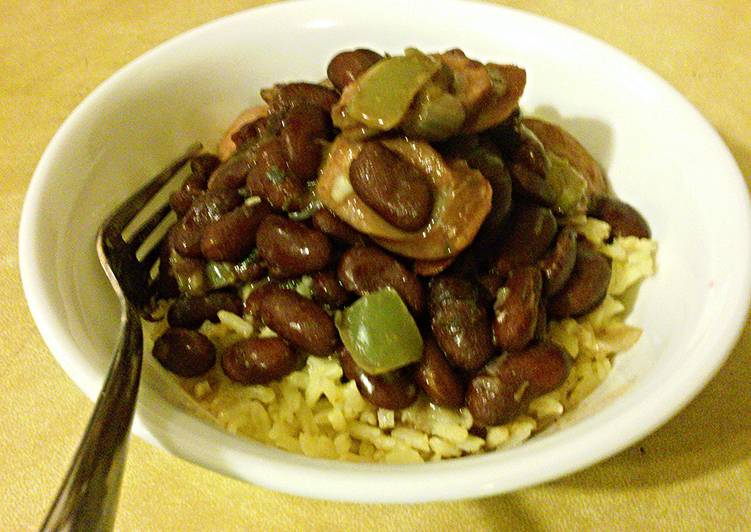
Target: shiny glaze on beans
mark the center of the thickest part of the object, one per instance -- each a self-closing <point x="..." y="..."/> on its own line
<point x="391" y="186"/>
<point x="443" y="384"/>
<point x="558" y="264"/>
<point x="507" y="384"/>
<point x="290" y="248"/>
<point x="516" y="309"/>
<point x="327" y="290"/>
<point x="460" y="322"/>
<point x="233" y="236"/>
<point x="393" y="390"/>
<point x="206" y="208"/>
<point x="624" y="220"/>
<point x="586" y="287"/>
<point x="346" y="67"/>
<point x="258" y="360"/>
<point x="526" y="236"/>
<point x="367" y="269"/>
<point x="184" y="352"/>
<point x="300" y="321"/>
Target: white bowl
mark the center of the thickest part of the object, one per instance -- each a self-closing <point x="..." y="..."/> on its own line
<point x="660" y="154"/>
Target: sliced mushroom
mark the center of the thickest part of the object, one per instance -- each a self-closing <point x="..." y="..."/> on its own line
<point x="565" y="146"/>
<point x="461" y="200"/>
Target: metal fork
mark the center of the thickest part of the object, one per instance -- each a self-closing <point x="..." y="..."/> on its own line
<point x="88" y="496"/>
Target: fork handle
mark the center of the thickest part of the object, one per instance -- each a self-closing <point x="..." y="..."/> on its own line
<point x="88" y="497"/>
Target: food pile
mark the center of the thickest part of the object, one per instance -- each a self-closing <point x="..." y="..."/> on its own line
<point x="396" y="265"/>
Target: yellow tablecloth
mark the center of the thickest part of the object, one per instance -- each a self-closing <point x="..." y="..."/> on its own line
<point x="693" y="473"/>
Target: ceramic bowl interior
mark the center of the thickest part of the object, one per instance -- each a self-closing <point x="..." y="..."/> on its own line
<point x="659" y="153"/>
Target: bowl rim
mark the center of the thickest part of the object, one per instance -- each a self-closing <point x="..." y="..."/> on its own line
<point x="181" y="433"/>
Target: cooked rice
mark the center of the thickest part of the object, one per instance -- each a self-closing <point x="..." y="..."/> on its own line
<point x="310" y="411"/>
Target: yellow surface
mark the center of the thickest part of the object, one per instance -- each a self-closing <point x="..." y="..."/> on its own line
<point x="693" y="473"/>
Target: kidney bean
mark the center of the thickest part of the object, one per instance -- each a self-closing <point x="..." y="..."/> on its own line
<point x="460" y="322"/>
<point x="258" y="360"/>
<point x="201" y="168"/>
<point x="304" y="129"/>
<point x="329" y="224"/>
<point x="251" y="131"/>
<point x="492" y="168"/>
<point x="233" y="235"/>
<point x="516" y="309"/>
<point x="300" y="321"/>
<point x="528" y="170"/>
<point x="345" y="67"/>
<point x="327" y="289"/>
<point x="190" y="312"/>
<point x="558" y="264"/>
<point x="290" y="248"/>
<point x="624" y="220"/>
<point x="184" y="352"/>
<point x="206" y="208"/>
<point x="232" y="173"/>
<point x="586" y="287"/>
<point x="189" y="275"/>
<point x="366" y="269"/>
<point x="527" y="235"/>
<point x="252" y="303"/>
<point x="442" y="384"/>
<point x="286" y="95"/>
<point x="507" y="384"/>
<point x="393" y="390"/>
<point x="270" y="178"/>
<point x="391" y="186"/>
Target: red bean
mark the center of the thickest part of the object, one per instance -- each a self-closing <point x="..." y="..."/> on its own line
<point x="290" y="248"/>
<point x="345" y="67"/>
<point x="305" y="127"/>
<point x="492" y="168"/>
<point x="252" y="303"/>
<point x="508" y="383"/>
<point x="300" y="321"/>
<point x="391" y="390"/>
<point x="529" y="170"/>
<point x="366" y="269"/>
<point x="327" y="290"/>
<point x="624" y="220"/>
<point x="201" y="168"/>
<point x="233" y="236"/>
<point x="391" y="186"/>
<point x="232" y="173"/>
<point x="286" y="95"/>
<point x="333" y="227"/>
<point x="258" y="360"/>
<point x="558" y="264"/>
<point x="442" y="384"/>
<point x="526" y="236"/>
<point x="184" y="352"/>
<point x="586" y="287"/>
<point x="190" y="312"/>
<point x="460" y="322"/>
<point x="516" y="309"/>
<point x="206" y="208"/>
<point x="270" y="178"/>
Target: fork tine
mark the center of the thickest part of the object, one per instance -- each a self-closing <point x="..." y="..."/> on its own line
<point x="140" y="236"/>
<point x="152" y="255"/>
<point x="120" y="219"/>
